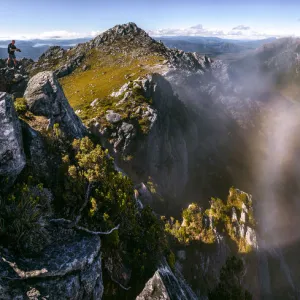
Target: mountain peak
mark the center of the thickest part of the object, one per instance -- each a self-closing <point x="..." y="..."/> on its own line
<point x="128" y="31"/>
<point x="127" y="28"/>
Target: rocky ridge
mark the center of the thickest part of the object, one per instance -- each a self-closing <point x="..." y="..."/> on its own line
<point x="14" y="81"/>
<point x="221" y="105"/>
<point x="126" y="38"/>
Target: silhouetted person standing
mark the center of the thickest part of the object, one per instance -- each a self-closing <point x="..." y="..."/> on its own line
<point x="11" y="49"/>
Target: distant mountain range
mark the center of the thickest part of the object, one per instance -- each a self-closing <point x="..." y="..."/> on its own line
<point x="211" y="46"/>
<point x="35" y="48"/>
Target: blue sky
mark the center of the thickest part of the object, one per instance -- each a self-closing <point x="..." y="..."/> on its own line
<point x="78" y="18"/>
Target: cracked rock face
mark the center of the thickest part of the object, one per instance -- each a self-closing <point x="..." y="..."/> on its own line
<point x="45" y="97"/>
<point x="14" y="81"/>
<point x="12" y="158"/>
<point x="164" y="285"/>
<point x="68" y="269"/>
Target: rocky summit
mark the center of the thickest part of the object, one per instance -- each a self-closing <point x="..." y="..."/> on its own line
<point x="116" y="158"/>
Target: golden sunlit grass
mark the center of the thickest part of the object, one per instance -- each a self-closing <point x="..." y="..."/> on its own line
<point x="106" y="73"/>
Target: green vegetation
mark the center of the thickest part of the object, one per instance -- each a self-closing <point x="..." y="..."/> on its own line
<point x="199" y="226"/>
<point x="140" y="240"/>
<point x="22" y="215"/>
<point x="107" y="73"/>
<point x="151" y="186"/>
<point x="20" y="106"/>
<point x="191" y="228"/>
<point x="230" y="282"/>
<point x="131" y="109"/>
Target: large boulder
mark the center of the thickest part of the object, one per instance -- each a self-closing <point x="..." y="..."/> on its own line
<point x="12" y="158"/>
<point x="70" y="268"/>
<point x="45" y="97"/>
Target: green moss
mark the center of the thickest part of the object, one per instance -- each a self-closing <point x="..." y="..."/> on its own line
<point x="20" y="106"/>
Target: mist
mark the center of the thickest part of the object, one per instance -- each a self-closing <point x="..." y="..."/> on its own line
<point x="248" y="134"/>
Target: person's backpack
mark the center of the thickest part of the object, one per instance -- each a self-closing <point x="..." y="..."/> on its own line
<point x="8" y="48"/>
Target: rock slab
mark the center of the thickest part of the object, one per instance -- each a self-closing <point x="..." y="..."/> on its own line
<point x="45" y="97"/>
<point x="68" y="269"/>
<point x="12" y="157"/>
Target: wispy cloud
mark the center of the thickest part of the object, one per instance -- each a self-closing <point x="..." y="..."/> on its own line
<point x="237" y="32"/>
<point x="197" y="30"/>
<point x="241" y="27"/>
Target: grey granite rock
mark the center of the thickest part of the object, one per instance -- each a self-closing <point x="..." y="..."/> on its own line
<point x="113" y="117"/>
<point x="70" y="268"/>
<point x="12" y="158"/>
<point x="45" y="97"/>
<point x="165" y="285"/>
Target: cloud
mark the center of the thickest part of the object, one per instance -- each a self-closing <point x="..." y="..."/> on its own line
<point x="199" y="26"/>
<point x="63" y="34"/>
<point x="57" y="34"/>
<point x="241" y="27"/>
<point x="238" y="32"/>
<point x="197" y="30"/>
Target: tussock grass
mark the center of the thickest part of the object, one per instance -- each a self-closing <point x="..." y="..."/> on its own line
<point x="106" y="73"/>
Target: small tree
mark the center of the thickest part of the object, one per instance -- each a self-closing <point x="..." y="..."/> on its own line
<point x="230" y="284"/>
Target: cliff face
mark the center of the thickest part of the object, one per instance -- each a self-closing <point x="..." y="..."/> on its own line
<point x="186" y="126"/>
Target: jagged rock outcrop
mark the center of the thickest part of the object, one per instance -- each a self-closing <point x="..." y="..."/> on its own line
<point x="131" y="119"/>
<point x="45" y="97"/>
<point x="14" y="81"/>
<point x="159" y="132"/>
<point x="68" y="269"/>
<point x="164" y="285"/>
<point x="223" y="230"/>
<point x="120" y="39"/>
<point x="57" y="58"/>
<point x="142" y="41"/>
<point x="12" y="158"/>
